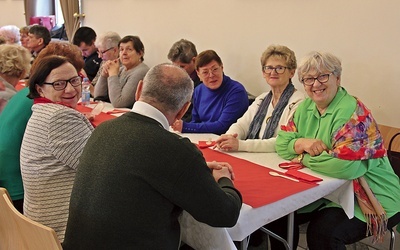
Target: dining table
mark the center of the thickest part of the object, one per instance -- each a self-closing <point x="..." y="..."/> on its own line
<point x="265" y="198"/>
<point x="255" y="215"/>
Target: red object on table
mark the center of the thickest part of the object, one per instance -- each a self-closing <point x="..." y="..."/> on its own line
<point x="102" y="117"/>
<point x="257" y="187"/>
<point x="206" y="144"/>
<point x="21" y="84"/>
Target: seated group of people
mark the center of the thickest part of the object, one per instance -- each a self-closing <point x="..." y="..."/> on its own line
<point x="122" y="185"/>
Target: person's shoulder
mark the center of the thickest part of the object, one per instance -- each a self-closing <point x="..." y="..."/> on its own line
<point x="183" y="144"/>
<point x="306" y="103"/>
<point x="234" y="85"/>
<point x="142" y="67"/>
<point x="139" y="70"/>
<point x="298" y="95"/>
<point x="262" y="96"/>
<point x="56" y="111"/>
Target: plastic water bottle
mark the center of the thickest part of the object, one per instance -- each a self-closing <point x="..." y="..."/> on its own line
<point x="85" y="92"/>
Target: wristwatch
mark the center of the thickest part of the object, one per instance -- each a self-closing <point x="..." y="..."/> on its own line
<point x="300" y="157"/>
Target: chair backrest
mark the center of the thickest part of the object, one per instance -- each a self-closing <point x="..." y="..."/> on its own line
<point x="19" y="232"/>
<point x="394" y="156"/>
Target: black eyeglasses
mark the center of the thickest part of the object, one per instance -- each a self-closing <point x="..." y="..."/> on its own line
<point x="62" y="84"/>
<point x="104" y="51"/>
<point x="309" y="81"/>
<point x="278" y="70"/>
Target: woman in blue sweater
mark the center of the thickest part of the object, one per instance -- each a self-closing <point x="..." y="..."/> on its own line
<point x="217" y="102"/>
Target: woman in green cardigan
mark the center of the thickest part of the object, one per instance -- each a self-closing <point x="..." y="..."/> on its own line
<point x="333" y="133"/>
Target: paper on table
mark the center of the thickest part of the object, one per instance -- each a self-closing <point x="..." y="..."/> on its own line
<point x="97" y="109"/>
<point x="117" y="111"/>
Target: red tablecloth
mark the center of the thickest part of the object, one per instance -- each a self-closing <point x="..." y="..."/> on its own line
<point x="257" y="187"/>
<point x="102" y="117"/>
<point x="21" y="84"/>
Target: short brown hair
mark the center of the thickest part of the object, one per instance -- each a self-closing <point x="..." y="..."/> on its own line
<point x="206" y="57"/>
<point x="42" y="71"/>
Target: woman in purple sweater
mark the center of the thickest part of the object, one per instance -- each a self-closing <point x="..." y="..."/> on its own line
<point x="217" y="102"/>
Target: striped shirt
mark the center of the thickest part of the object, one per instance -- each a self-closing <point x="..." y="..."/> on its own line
<point x="53" y="142"/>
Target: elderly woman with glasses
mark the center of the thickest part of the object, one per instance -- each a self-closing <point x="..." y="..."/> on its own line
<point x="107" y="49"/>
<point x="217" y="102"/>
<point x="333" y="133"/>
<point x="257" y="129"/>
<point x="53" y="142"/>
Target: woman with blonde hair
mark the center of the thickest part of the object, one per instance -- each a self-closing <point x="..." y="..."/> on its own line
<point x="14" y="65"/>
<point x="257" y="129"/>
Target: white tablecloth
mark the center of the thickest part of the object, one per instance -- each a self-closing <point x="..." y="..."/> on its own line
<point x="202" y="236"/>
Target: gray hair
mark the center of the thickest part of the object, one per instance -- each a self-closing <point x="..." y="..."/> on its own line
<point x="167" y="87"/>
<point x="320" y="62"/>
<point x="182" y="51"/>
<point x="108" y="40"/>
<point x="11" y="34"/>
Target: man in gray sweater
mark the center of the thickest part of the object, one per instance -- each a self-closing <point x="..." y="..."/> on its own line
<point x="135" y="177"/>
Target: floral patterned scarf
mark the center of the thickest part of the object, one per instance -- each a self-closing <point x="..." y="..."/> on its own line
<point x="360" y="139"/>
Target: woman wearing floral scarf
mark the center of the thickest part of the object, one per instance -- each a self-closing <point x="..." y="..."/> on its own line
<point x="333" y="133"/>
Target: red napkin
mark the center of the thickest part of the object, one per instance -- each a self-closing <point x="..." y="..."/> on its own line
<point x="291" y="165"/>
<point x="302" y="176"/>
<point x="206" y="144"/>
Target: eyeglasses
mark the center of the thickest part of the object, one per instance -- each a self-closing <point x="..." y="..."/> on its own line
<point x="278" y="70"/>
<point x="104" y="51"/>
<point x="62" y="84"/>
<point x="213" y="71"/>
<point x="309" y="81"/>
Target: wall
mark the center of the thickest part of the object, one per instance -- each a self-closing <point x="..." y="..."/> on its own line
<point x="365" y="34"/>
<point x="12" y="12"/>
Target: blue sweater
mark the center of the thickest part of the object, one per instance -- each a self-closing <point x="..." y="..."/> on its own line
<point x="214" y="111"/>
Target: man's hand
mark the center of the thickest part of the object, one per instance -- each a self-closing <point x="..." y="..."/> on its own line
<point x="219" y="170"/>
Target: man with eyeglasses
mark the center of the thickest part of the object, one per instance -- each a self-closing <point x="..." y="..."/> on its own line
<point x="84" y="38"/>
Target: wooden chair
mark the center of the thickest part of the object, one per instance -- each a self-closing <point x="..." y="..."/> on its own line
<point x="20" y="232"/>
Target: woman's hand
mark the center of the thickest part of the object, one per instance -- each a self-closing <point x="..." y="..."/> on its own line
<point x="216" y="166"/>
<point x="113" y="67"/>
<point x="104" y="70"/>
<point x="177" y="125"/>
<point x="228" y="142"/>
<point x="312" y="146"/>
